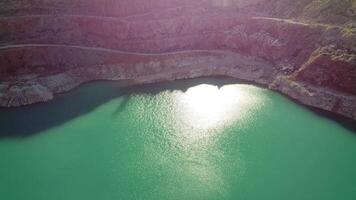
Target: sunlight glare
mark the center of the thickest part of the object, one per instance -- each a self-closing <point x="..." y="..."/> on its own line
<point x="207" y="106"/>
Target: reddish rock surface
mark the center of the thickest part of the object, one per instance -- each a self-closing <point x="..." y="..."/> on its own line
<point x="49" y="47"/>
<point x="330" y="68"/>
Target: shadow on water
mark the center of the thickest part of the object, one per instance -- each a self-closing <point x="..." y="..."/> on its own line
<point x="347" y="123"/>
<point x="121" y="107"/>
<point x="29" y="120"/>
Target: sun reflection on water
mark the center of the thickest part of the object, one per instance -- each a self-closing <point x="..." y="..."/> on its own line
<point x="208" y="106"/>
<point x="202" y="113"/>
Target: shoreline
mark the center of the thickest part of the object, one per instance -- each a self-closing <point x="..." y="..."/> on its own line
<point x="128" y="87"/>
<point x="65" y="82"/>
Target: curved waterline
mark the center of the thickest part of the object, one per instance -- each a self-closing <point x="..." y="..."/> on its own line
<point x="29" y="120"/>
<point x="206" y="139"/>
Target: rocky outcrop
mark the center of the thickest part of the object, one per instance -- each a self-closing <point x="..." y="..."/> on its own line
<point x="326" y="80"/>
<point x="132" y="68"/>
<point x="331" y="68"/>
<point x="50" y="47"/>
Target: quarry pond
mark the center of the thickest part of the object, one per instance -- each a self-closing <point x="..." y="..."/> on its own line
<point x="206" y="138"/>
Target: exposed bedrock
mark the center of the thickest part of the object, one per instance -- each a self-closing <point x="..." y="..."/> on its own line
<point x="51" y="47"/>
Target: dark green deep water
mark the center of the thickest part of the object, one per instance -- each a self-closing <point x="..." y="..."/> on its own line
<point x="181" y="140"/>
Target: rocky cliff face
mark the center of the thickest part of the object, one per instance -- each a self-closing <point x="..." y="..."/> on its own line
<point x="304" y="49"/>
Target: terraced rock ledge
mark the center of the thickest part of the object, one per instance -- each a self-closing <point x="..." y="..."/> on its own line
<point x="50" y="47"/>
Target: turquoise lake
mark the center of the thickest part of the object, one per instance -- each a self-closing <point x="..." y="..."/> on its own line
<point x="200" y="139"/>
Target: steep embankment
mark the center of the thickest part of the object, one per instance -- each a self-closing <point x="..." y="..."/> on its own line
<point x="49" y="47"/>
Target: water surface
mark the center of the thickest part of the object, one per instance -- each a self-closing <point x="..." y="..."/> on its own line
<point x="189" y="141"/>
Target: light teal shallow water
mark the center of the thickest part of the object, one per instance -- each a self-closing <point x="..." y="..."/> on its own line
<point x="233" y="142"/>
